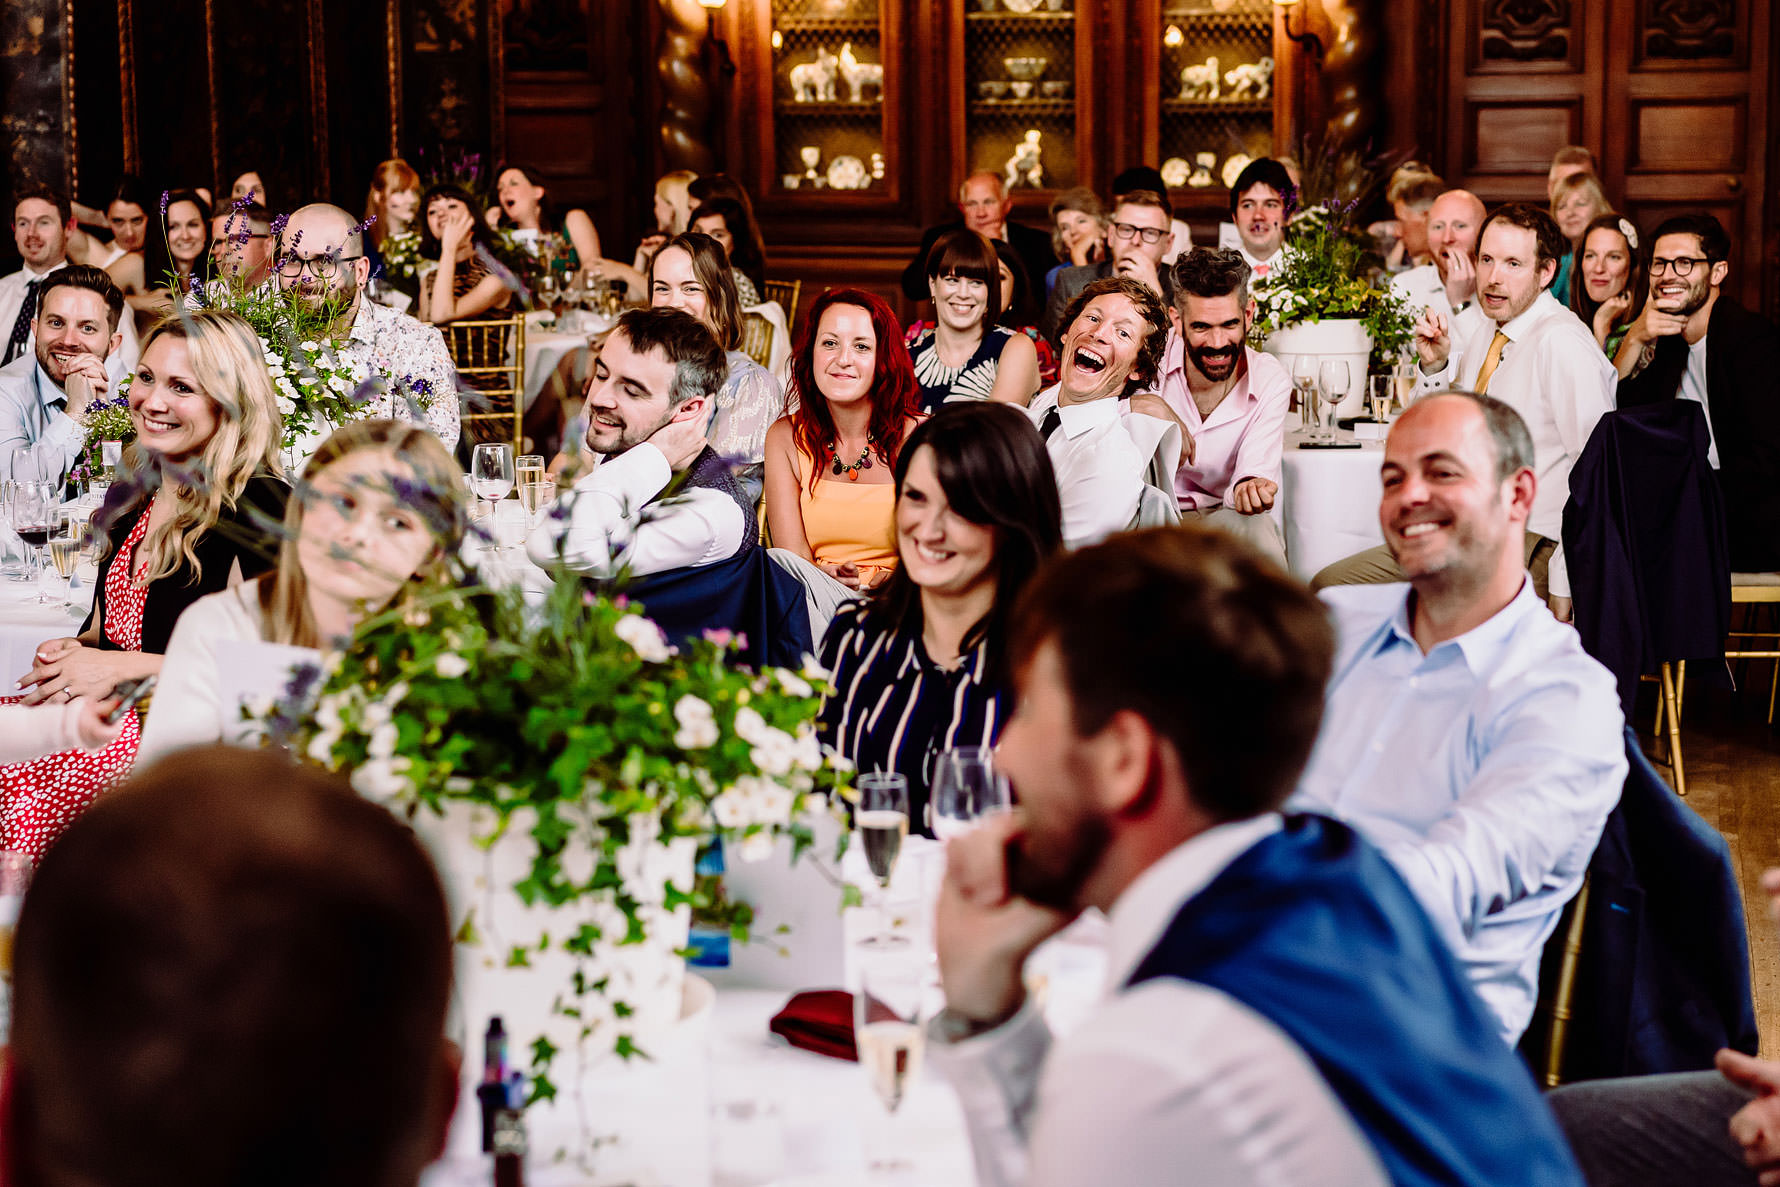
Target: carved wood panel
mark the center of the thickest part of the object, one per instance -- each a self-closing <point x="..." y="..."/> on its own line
<point x="1690" y="30"/>
<point x="1527" y="31"/>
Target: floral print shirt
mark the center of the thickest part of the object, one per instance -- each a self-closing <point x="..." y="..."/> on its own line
<point x="412" y="352"/>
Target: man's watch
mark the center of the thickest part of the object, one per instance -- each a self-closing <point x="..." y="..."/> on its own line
<point x="954" y="1027"/>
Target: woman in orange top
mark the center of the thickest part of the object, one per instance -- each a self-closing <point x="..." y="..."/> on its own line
<point x="830" y="498"/>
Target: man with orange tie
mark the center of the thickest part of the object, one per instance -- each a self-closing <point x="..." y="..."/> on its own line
<point x="1532" y="354"/>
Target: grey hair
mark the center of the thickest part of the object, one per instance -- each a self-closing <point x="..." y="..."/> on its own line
<point x="1508" y="432"/>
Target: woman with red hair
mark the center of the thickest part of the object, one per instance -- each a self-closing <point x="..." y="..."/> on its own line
<point x="830" y="494"/>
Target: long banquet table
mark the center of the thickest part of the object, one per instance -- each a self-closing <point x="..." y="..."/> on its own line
<point x="1328" y="502"/>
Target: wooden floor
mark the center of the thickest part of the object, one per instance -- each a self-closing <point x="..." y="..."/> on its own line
<point x="1732" y="760"/>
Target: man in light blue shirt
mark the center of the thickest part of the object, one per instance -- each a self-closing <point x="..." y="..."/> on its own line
<point x="1466" y="731"/>
<point x="44" y="394"/>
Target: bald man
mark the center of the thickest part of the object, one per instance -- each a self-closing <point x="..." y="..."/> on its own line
<point x="1449" y="284"/>
<point x="320" y="261"/>
<point x="983" y="206"/>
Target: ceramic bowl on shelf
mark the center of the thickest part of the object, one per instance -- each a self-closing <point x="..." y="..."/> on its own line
<point x="1021" y="90"/>
<point x="1024" y="7"/>
<point x="1025" y="69"/>
<point x="992" y="88"/>
<point x="1055" y="88"/>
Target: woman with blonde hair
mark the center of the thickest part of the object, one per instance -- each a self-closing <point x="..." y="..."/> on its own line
<point x="673" y="214"/>
<point x="198" y="513"/>
<point x="1576" y="201"/>
<point x="377" y="520"/>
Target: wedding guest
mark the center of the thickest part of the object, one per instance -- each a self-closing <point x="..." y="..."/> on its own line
<point x="691" y="274"/>
<point x="127" y="216"/>
<point x="920" y="666"/>
<point x="235" y="962"/>
<point x="378" y="519"/>
<point x="1078" y="231"/>
<point x="247" y="187"/>
<point x="392" y="205"/>
<point x="1449" y="283"/>
<point x="1466" y="732"/>
<point x="241" y="248"/>
<point x="1147" y="177"/>
<point x="729" y="223"/>
<point x="1136" y="241"/>
<point x="461" y="286"/>
<point x="966" y="356"/>
<point x="320" y="256"/>
<point x="524" y="204"/>
<point x="1261" y="201"/>
<point x="984" y="206"/>
<point x="831" y="460"/>
<point x="44" y="396"/>
<point x="1606" y="278"/>
<point x="1535" y="356"/>
<point x="1567" y="162"/>
<point x="1411" y="195"/>
<point x="1576" y="201"/>
<point x="1231" y="399"/>
<point x="1103" y="430"/>
<point x="31" y="731"/>
<point x="1280" y="1009"/>
<point x="672" y="210"/>
<point x="1020" y="308"/>
<point x="172" y="260"/>
<point x="40" y="225"/>
<point x="195" y="517"/>
<point x="1693" y="341"/>
<point x="647" y="406"/>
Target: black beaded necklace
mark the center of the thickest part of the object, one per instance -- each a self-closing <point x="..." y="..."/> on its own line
<point x="852" y="471"/>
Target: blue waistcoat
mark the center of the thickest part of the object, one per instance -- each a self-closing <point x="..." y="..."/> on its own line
<point x="1313" y="930"/>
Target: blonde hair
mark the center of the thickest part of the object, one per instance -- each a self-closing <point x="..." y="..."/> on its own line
<point x="1586" y="182"/>
<point x="393" y="176"/>
<point x="230" y="370"/>
<point x="675" y="189"/>
<point x="436" y="492"/>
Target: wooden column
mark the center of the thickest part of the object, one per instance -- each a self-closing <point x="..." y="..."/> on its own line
<point x="681" y="72"/>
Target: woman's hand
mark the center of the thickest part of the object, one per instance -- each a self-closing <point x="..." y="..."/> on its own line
<point x="94" y="732"/>
<point x="63" y="673"/>
<point x="1605" y="316"/>
<point x="458" y="225"/>
<point x="847" y="573"/>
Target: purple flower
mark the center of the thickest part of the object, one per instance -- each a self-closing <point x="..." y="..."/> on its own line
<point x="278" y="224"/>
<point x="166" y="195"/>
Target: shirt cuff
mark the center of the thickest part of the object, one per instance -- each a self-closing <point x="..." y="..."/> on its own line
<point x="984" y="1067"/>
<point x="632" y="477"/>
<point x="65" y="432"/>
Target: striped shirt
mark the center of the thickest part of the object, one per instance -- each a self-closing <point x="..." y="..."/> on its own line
<point x="894" y="709"/>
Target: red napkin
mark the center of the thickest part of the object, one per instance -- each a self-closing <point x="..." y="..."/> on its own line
<point x="819" y="1020"/>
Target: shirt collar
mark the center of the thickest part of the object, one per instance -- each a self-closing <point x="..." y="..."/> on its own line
<point x="1078" y="419"/>
<point x="1150" y="903"/>
<point x="1479" y="645"/>
<point x="31" y="276"/>
<point x="1543" y="306"/>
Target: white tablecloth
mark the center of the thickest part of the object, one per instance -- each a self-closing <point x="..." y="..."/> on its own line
<point x="25" y="622"/>
<point x="545" y="349"/>
<point x="1328" y="502"/>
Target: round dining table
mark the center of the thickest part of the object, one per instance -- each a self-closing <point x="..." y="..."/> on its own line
<point x="1328" y="500"/>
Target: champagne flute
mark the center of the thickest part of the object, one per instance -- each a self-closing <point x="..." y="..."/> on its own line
<point x="64" y="553"/>
<point x="534" y="497"/>
<point x="964" y="786"/>
<point x="889" y="1028"/>
<point x="1384" y="391"/>
<point x="491" y="475"/>
<point x="1336" y="380"/>
<point x="528" y="467"/>
<point x="882" y="822"/>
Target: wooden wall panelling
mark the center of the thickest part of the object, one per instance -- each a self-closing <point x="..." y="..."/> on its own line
<point x="449" y="87"/>
<point x="103" y="125"/>
<point x="37" y="115"/>
<point x="277" y="129"/>
<point x="356" y="40"/>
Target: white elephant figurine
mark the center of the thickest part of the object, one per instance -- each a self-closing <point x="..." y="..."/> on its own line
<point x="859" y="75"/>
<point x="813" y="82"/>
<point x="1201" y="81"/>
<point x="1250" y="80"/>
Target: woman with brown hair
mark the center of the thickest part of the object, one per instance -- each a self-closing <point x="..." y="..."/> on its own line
<point x="1607" y="279"/>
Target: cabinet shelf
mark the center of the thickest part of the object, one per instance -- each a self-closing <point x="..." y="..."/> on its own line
<point x="1218" y="19"/>
<point x="829" y="24"/>
<point x="1019" y="18"/>
<point x="1217" y="107"/>
<point x="869" y="110"/>
<point x="1022" y="106"/>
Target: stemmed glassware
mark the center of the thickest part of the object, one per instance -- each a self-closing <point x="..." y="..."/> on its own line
<point x="65" y="548"/>
<point x="882" y="822"/>
<point x="1336" y="381"/>
<point x="889" y="1027"/>
<point x="34" y="518"/>
<point x="966" y="787"/>
<point x="1304" y="380"/>
<point x="1382" y="395"/>
<point x="491" y="476"/>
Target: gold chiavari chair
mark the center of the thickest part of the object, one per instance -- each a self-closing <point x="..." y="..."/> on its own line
<point x="785" y="292"/>
<point x="757" y="338"/>
<point x="490" y="359"/>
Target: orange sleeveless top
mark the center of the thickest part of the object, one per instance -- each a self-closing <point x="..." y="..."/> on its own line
<point x="849" y="522"/>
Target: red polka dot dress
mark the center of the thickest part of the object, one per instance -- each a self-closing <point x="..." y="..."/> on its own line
<point x="40" y="798"/>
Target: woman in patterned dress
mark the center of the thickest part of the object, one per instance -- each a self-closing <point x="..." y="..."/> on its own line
<point x="200" y="513"/>
<point x="461" y="286"/>
<point x="966" y="356"/>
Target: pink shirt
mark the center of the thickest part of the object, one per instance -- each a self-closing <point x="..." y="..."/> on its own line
<point x="1242" y="436"/>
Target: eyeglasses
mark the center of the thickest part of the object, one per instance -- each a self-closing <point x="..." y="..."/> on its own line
<point x="1131" y="231"/>
<point x="1682" y="266"/>
<point x="320" y="267"/>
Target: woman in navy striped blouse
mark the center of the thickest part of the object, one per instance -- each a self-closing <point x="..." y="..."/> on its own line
<point x="919" y="666"/>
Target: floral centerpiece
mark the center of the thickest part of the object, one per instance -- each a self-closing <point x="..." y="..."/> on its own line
<point x="107" y="421"/>
<point x="554" y="756"/>
<point x="401" y="261"/>
<point x="1323" y="276"/>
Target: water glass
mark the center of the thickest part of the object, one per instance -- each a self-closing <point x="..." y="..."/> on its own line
<point x="1304" y="384"/>
<point x="491" y="472"/>
<point x="1335" y="381"/>
<point x="965" y="789"/>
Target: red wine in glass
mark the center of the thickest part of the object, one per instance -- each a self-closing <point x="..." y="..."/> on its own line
<point x="36" y="537"/>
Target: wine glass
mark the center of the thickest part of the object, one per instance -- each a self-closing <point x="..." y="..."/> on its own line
<point x="964" y="789"/>
<point x="528" y="467"/>
<point x="889" y="1028"/>
<point x="491" y="474"/>
<point x="1336" y="380"/>
<point x="1383" y="393"/>
<point x="882" y="822"/>
<point x="1304" y="380"/>
<point x="34" y="518"/>
<point x="534" y="496"/>
<point x="64" y="552"/>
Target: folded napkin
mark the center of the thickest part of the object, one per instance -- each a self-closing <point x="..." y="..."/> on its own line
<point x="819" y="1020"/>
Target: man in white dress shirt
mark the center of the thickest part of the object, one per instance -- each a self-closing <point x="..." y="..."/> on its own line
<point x="1260" y="202"/>
<point x="1535" y="356"/>
<point x="647" y="405"/>
<point x="44" y="395"/>
<point x="1467" y="734"/>
<point x="320" y="259"/>
<point x="1108" y="437"/>
<point x="1449" y="283"/>
<point x="1246" y="1036"/>
<point x="42" y="221"/>
<point x="1231" y="399"/>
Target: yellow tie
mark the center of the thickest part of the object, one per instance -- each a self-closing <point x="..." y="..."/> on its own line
<point x="1491" y="361"/>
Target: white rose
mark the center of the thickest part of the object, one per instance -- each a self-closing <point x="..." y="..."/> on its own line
<point x="806" y="751"/>
<point x="451" y="666"/>
<point x="730" y="809"/>
<point x="772" y="805"/>
<point x="750" y="726"/>
<point x="793" y="684"/>
<point x="286" y="405"/>
<point x="698" y="724"/>
<point x="644" y="637"/>
<point x="775" y="753"/>
<point x="381" y="778"/>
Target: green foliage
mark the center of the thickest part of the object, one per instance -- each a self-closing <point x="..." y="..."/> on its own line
<point x="1326" y="273"/>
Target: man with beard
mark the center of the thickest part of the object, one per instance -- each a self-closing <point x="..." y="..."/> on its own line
<point x="44" y="395"/>
<point x="1693" y="342"/>
<point x="1139" y="235"/>
<point x="1449" y="283"/>
<point x="1260" y="202"/>
<point x="241" y="247"/>
<point x="1108" y="437"/>
<point x="42" y="222"/>
<point x="647" y="403"/>
<point x="1232" y="399"/>
<point x="319" y="260"/>
<point x="1466" y="733"/>
<point x="1279" y="1010"/>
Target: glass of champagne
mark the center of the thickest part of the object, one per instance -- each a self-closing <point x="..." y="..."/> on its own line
<point x="964" y="786"/>
<point x="34" y="519"/>
<point x="534" y="497"/>
<point x="491" y="476"/>
<point x="1383" y="392"/>
<point x="882" y="822"/>
<point x="889" y="1027"/>
<point x="64" y="553"/>
<point x="1336" y="380"/>
<point x="528" y="467"/>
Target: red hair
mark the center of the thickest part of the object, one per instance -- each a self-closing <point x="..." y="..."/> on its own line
<point x="895" y="396"/>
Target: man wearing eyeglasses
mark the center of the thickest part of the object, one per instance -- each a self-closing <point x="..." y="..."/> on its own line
<point x="1692" y="342"/>
<point x="241" y="245"/>
<point x="319" y="260"/>
<point x="1140" y="235"/>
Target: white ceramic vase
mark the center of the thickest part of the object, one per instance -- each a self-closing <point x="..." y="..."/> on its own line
<point x="1340" y="338"/>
